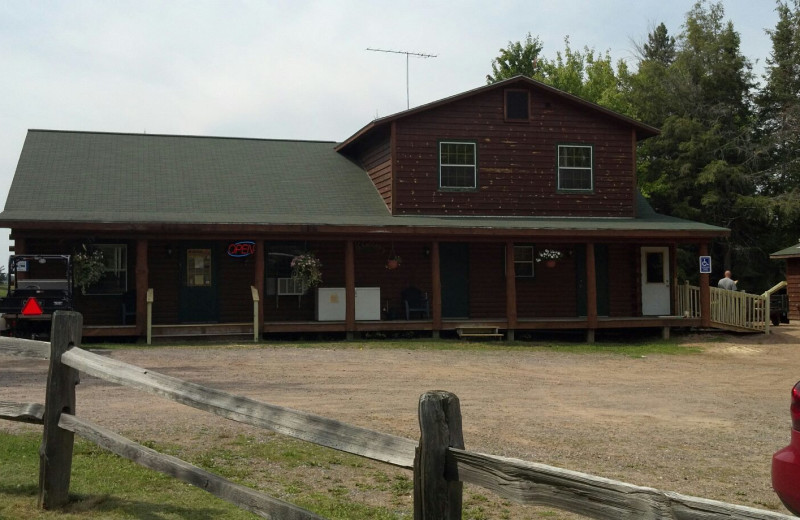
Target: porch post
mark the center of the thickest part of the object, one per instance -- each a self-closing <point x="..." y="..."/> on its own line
<point x="258" y="280"/>
<point x="350" y="289"/>
<point x="591" y="293"/>
<point x="142" y="275"/>
<point x="436" y="289"/>
<point x="673" y="279"/>
<point x="705" y="293"/>
<point x="511" y="291"/>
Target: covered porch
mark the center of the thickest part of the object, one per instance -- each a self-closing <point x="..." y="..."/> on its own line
<point x="594" y="285"/>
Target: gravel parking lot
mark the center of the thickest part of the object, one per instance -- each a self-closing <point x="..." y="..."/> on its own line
<point x="703" y="424"/>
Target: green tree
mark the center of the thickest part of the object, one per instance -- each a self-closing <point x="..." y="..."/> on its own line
<point x="517" y="58"/>
<point x="660" y="46"/>
<point x="698" y="168"/>
<point x="779" y="109"/>
<point x="585" y="73"/>
<point x="778" y="133"/>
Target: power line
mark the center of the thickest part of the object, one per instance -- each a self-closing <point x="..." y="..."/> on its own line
<point x="407" y="53"/>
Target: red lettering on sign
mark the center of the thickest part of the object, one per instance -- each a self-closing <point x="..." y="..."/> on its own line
<point x="240" y="249"/>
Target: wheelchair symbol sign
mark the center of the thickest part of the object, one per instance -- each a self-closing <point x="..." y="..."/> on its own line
<point x="705" y="265"/>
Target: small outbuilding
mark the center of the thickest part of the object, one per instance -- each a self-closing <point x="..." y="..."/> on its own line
<point x="792" y="256"/>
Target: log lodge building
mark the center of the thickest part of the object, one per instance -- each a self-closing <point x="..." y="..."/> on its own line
<point x="513" y="207"/>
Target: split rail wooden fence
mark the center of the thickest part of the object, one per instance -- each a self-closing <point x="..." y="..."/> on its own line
<point x="439" y="461"/>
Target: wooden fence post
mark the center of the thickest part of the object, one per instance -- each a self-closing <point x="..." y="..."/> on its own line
<point x="437" y="488"/>
<point x="55" y="452"/>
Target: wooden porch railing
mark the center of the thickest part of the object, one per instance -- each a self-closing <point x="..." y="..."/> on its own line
<point x="150" y="299"/>
<point x="254" y="294"/>
<point x="736" y="310"/>
<point x="439" y="460"/>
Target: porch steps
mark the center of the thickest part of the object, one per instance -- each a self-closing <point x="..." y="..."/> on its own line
<point x="479" y="332"/>
<point x="227" y="330"/>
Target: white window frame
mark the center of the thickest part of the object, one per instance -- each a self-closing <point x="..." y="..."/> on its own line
<point x="115" y="258"/>
<point x="473" y="167"/>
<point x="564" y="168"/>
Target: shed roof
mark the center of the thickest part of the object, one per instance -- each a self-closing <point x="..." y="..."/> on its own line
<point x="139" y="181"/>
<point x="789" y="252"/>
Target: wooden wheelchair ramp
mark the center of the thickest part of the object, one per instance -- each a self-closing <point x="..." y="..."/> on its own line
<point x="736" y="311"/>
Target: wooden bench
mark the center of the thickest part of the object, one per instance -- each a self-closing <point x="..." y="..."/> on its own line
<point x="479" y="332"/>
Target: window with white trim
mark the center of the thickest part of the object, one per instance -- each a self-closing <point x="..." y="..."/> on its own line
<point x="523" y="261"/>
<point x="575" y="168"/>
<point x="458" y="165"/>
<point x="115" y="278"/>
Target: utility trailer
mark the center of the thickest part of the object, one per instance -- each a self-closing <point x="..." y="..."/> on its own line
<point x="38" y="285"/>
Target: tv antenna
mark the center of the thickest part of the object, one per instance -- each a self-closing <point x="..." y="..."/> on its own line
<point x="407" y="53"/>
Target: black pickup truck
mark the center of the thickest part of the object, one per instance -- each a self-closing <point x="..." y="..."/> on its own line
<point x="38" y="286"/>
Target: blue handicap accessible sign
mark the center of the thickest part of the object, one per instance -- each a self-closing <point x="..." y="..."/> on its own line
<point x="705" y="265"/>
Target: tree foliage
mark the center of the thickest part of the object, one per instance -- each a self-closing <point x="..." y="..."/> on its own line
<point x="517" y="58"/>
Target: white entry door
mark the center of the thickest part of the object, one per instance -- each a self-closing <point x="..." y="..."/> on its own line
<point x="655" y="281"/>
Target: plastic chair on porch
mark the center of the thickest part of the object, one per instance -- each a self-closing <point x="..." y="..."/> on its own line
<point x="128" y="307"/>
<point x="415" y="301"/>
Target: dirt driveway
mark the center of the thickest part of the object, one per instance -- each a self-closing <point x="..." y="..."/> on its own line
<point x="703" y="424"/>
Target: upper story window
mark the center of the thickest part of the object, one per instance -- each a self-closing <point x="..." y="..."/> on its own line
<point x="575" y="168"/>
<point x="517" y="105"/>
<point x="458" y="166"/>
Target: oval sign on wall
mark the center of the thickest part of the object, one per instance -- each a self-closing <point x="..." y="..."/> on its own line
<point x="241" y="248"/>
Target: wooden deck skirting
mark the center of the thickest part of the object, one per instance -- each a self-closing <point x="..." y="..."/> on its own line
<point x="246" y="328"/>
<point x="439" y="460"/>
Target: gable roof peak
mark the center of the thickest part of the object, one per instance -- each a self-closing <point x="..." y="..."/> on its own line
<point x="643" y="130"/>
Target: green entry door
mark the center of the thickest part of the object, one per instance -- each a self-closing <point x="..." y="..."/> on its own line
<point x="199" y="301"/>
<point x="601" y="275"/>
<point x="454" y="271"/>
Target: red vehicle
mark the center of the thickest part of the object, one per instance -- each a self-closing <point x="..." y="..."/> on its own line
<point x="786" y="462"/>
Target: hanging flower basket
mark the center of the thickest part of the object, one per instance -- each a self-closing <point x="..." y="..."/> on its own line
<point x="307" y="270"/>
<point x="549" y="256"/>
<point x="88" y="268"/>
<point x="393" y="262"/>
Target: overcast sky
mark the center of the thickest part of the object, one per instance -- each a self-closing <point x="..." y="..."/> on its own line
<point x="285" y="69"/>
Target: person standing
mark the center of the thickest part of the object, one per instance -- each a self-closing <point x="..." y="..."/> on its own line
<point x="727" y="282"/>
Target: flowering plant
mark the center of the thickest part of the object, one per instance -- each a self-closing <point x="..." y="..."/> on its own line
<point x="87" y="268"/>
<point x="393" y="262"/>
<point x="307" y="270"/>
<point x="548" y="254"/>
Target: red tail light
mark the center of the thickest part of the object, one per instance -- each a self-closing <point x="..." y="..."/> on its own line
<point x="795" y="407"/>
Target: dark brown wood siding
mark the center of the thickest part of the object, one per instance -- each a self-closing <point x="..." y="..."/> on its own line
<point x="516" y="161"/>
<point x="235" y="277"/>
<point x="487" y="281"/>
<point x="377" y="161"/>
<point x="622" y="285"/>
<point x="164" y="278"/>
<point x="551" y="292"/>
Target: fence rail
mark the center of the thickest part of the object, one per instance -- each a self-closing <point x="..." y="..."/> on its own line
<point x="441" y="464"/>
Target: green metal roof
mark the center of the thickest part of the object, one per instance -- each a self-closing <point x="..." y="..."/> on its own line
<point x="791" y="251"/>
<point x="86" y="177"/>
